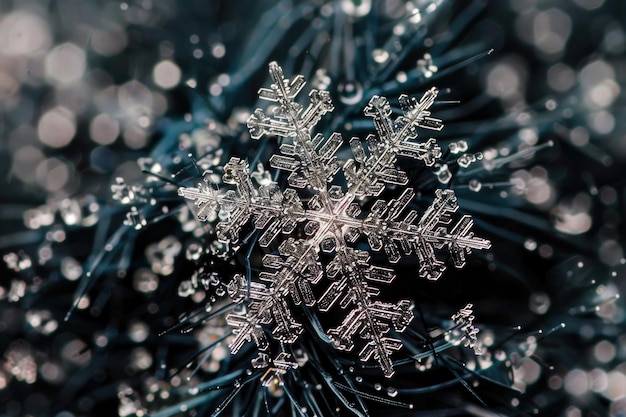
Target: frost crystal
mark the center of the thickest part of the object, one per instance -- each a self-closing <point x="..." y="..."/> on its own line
<point x="315" y="216"/>
<point x="464" y="321"/>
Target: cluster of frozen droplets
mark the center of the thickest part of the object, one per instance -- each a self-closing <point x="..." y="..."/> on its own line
<point x="331" y="219"/>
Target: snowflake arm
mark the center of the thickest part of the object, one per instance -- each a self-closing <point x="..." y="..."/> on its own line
<point x="313" y="168"/>
<point x="369" y="319"/>
<point x="270" y="209"/>
<point x="464" y="321"/>
<point x="386" y="229"/>
<point x="263" y="308"/>
<point x="393" y="138"/>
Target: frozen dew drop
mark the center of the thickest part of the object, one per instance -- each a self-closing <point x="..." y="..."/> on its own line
<point x="194" y="251"/>
<point x="604" y="351"/>
<point x="71" y="268"/>
<point x="144" y="280"/>
<point x="443" y="174"/>
<point x="104" y="129"/>
<point x="530" y="244"/>
<point x="138" y="331"/>
<point x="576" y="382"/>
<point x="24" y="34"/>
<point x="185" y="289"/>
<point x="458" y="147"/>
<point x="149" y="165"/>
<point x="475" y="185"/>
<point x="166" y="74"/>
<point x="380" y="56"/>
<point x="162" y="255"/>
<point x="141" y="359"/>
<point x="401" y="77"/>
<point x="65" y="64"/>
<point x="17" y="261"/>
<point x="218" y="50"/>
<point x="17" y="290"/>
<point x="57" y="127"/>
<point x="350" y="92"/>
<point x="539" y="303"/>
<point x="356" y="8"/>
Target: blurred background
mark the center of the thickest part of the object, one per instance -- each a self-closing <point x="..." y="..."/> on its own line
<point x="93" y="91"/>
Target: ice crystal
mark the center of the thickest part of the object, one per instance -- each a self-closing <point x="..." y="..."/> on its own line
<point x="464" y="321"/>
<point x="330" y="217"/>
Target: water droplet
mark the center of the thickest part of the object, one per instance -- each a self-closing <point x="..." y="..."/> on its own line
<point x="17" y="290"/>
<point x="458" y="147"/>
<point x="138" y="331"/>
<point x="185" y="289"/>
<point x="218" y="50"/>
<point x="530" y="244"/>
<point x="539" y="303"/>
<point x="475" y="185"/>
<point x="443" y="174"/>
<point x="350" y="92"/>
<point x="17" y="261"/>
<point x="194" y="251"/>
<point x="145" y="280"/>
<point x="162" y="255"/>
<point x="380" y="55"/>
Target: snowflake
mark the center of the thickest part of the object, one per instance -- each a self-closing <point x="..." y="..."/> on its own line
<point x="330" y="219"/>
<point x="464" y="324"/>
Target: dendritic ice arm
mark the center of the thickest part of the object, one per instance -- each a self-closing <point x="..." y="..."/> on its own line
<point x="385" y="228"/>
<point x="309" y="166"/>
<point x="366" y="174"/>
<point x="296" y="268"/>
<point x="263" y="308"/>
<point x="436" y="233"/>
<point x="371" y="320"/>
<point x="270" y="209"/>
<point x="464" y="321"/>
<point x="275" y="368"/>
